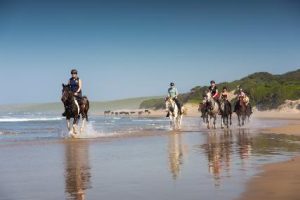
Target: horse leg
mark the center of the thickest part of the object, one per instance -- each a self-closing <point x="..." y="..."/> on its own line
<point x="239" y="119"/>
<point x="68" y="124"/>
<point x="84" y="119"/>
<point x="222" y="121"/>
<point x="171" y="120"/>
<point x="208" y="121"/>
<point x="179" y="121"/>
<point x="82" y="125"/>
<point x="75" y="125"/>
<point x="227" y="122"/>
<point x="215" y="119"/>
<point x="69" y="127"/>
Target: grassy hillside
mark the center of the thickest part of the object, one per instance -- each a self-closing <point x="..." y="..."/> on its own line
<point x="266" y="91"/>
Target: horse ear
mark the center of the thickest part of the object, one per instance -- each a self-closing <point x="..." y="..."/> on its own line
<point x="63" y="85"/>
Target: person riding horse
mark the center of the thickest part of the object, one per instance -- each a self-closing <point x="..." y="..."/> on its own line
<point x="214" y="92"/>
<point x="75" y="85"/>
<point x="224" y="94"/>
<point x="173" y="93"/>
<point x="242" y="98"/>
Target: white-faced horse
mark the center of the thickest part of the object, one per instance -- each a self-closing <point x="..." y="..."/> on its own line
<point x="174" y="114"/>
<point x="212" y="111"/>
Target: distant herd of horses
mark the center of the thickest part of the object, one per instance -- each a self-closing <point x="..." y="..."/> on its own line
<point x="76" y="108"/>
<point x="126" y="113"/>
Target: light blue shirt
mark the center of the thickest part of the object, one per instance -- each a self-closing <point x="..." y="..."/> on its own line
<point x="173" y="92"/>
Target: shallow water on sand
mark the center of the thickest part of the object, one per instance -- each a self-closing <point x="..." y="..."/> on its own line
<point x="149" y="162"/>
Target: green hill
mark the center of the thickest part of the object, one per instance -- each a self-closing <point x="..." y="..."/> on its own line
<point x="266" y="91"/>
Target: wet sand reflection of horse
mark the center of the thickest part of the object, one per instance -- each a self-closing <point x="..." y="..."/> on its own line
<point x="77" y="170"/>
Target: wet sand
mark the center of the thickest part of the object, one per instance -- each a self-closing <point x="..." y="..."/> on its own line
<point x="280" y="181"/>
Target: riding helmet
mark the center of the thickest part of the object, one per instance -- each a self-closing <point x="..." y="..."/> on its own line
<point x="212" y="82"/>
<point x="172" y="84"/>
<point x="74" y="71"/>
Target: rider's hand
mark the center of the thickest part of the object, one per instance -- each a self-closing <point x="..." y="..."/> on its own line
<point x="75" y="93"/>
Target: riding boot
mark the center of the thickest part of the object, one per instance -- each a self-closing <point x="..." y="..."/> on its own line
<point x="65" y="112"/>
<point x="178" y="105"/>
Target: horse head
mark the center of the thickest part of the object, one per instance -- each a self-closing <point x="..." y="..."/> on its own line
<point x="66" y="93"/>
<point x="201" y="105"/>
<point x="170" y="104"/>
<point x="242" y="102"/>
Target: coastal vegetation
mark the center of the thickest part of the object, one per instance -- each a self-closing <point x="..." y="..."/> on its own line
<point x="266" y="91"/>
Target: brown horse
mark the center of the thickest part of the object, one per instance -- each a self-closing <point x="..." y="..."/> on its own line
<point x="226" y="112"/>
<point x="74" y="108"/>
<point x="241" y="111"/>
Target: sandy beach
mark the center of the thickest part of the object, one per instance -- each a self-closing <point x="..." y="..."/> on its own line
<point x="278" y="181"/>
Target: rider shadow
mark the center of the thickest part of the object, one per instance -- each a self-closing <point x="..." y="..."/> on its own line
<point x="77" y="170"/>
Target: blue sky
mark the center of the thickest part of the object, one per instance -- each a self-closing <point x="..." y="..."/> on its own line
<point x="135" y="48"/>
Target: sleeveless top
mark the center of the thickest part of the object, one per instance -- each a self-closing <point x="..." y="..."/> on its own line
<point x="74" y="85"/>
<point x="212" y="90"/>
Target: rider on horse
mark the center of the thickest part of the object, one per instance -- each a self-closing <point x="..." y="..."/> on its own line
<point x="214" y="92"/>
<point x="241" y="98"/>
<point x="224" y="94"/>
<point x="173" y="94"/>
<point x="75" y="85"/>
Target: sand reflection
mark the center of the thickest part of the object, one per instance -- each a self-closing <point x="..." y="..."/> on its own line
<point x="177" y="150"/>
<point x="77" y="170"/>
<point x="220" y="148"/>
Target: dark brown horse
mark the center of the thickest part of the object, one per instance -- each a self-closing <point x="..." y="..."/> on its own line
<point x="74" y="108"/>
<point x="226" y="112"/>
<point x="241" y="111"/>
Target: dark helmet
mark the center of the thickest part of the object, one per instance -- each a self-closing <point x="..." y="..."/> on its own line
<point x="212" y="81"/>
<point x="172" y="84"/>
<point x="224" y="88"/>
<point x="74" y="71"/>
